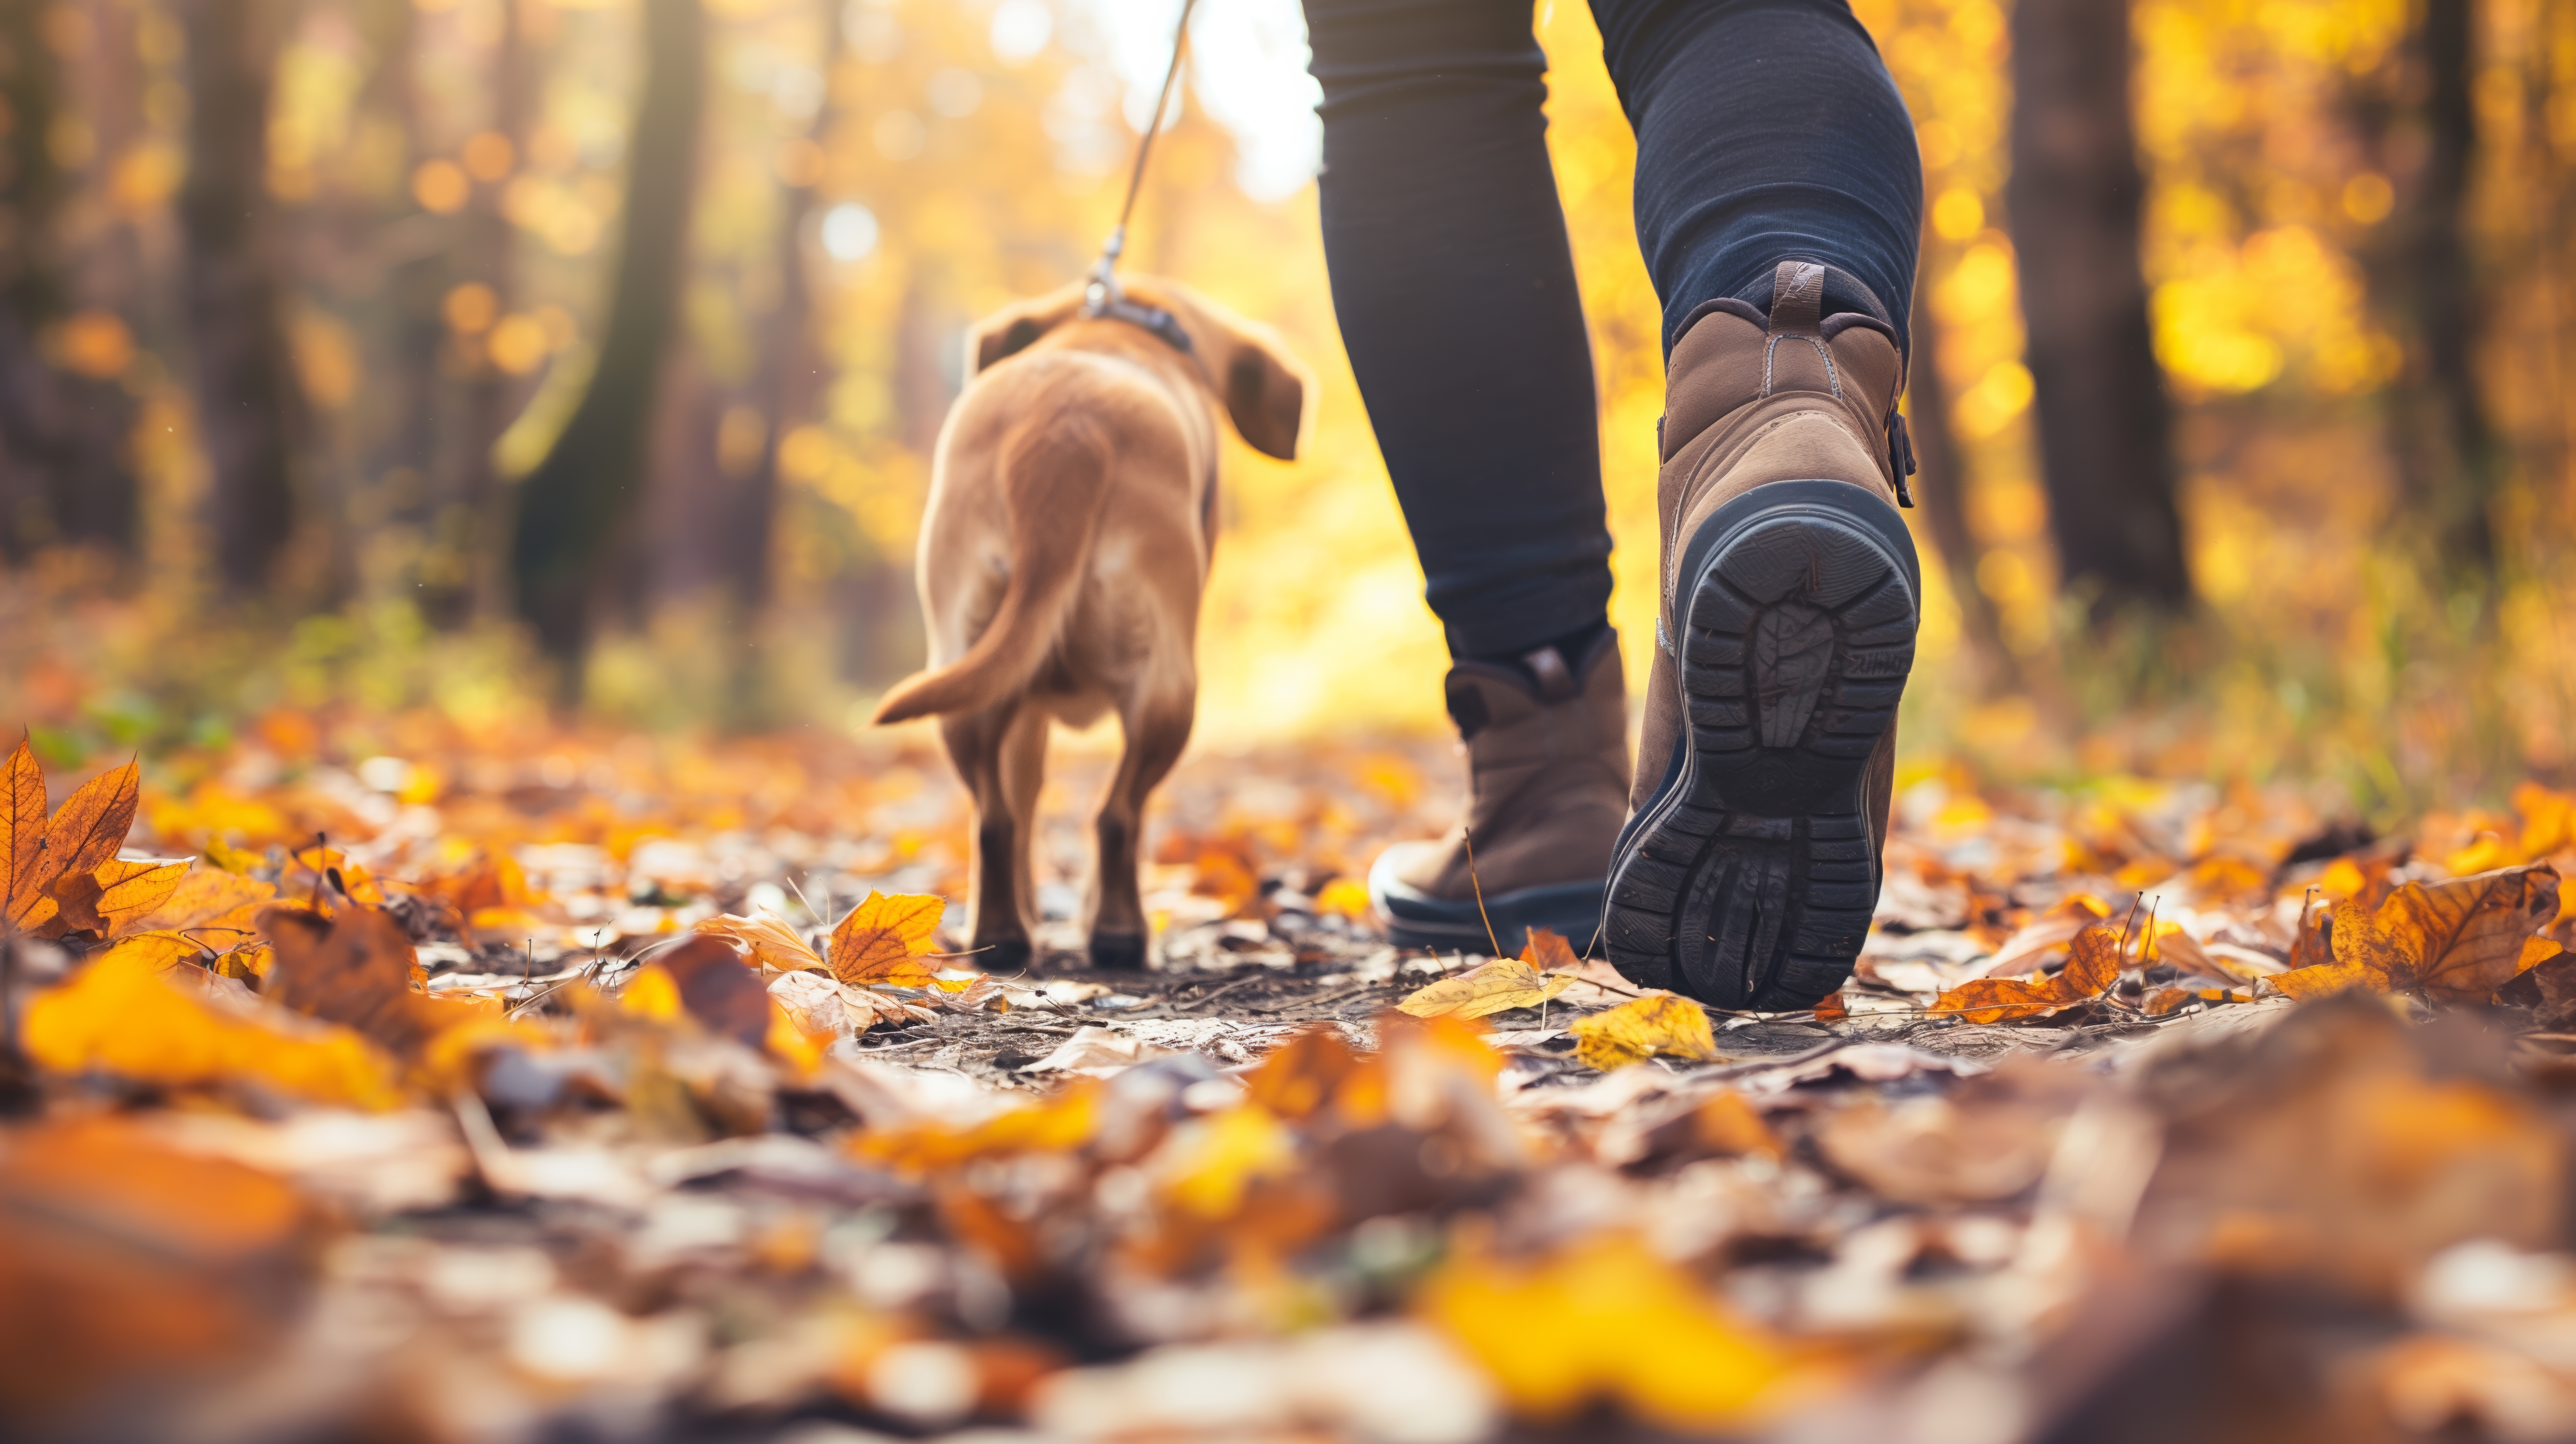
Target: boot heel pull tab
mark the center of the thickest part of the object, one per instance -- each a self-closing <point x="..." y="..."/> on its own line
<point x="1555" y="679"/>
<point x="1797" y="299"/>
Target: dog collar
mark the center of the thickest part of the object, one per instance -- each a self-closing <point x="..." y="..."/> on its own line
<point x="1102" y="301"/>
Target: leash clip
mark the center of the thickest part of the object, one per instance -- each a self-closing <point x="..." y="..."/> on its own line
<point x="1103" y="297"/>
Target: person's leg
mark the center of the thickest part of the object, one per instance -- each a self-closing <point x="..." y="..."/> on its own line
<point x="1767" y="130"/>
<point x="1778" y="199"/>
<point x="1454" y="286"/>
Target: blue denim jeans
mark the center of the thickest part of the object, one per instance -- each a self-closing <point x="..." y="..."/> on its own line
<point x="1766" y="129"/>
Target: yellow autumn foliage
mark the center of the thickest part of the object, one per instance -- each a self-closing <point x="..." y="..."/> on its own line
<point x="120" y="1015"/>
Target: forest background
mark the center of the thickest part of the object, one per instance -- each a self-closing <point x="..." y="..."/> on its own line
<point x="500" y="356"/>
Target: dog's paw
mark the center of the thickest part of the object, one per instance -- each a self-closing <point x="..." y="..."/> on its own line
<point x="1118" y="952"/>
<point x="1008" y="956"/>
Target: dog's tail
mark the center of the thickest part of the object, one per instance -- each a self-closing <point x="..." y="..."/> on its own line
<point x="1055" y="475"/>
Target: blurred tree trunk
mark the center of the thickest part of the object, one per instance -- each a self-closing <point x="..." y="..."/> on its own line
<point x="1941" y="489"/>
<point x="576" y="500"/>
<point x="2076" y="197"/>
<point x="412" y="282"/>
<point x="467" y="517"/>
<point x="2428" y="288"/>
<point x="249" y="411"/>
<point x="789" y="365"/>
<point x="63" y="419"/>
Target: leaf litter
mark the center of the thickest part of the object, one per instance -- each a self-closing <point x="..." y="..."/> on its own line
<point x="555" y="1086"/>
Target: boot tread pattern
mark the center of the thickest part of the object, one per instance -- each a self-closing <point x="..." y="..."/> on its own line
<point x="1750" y="881"/>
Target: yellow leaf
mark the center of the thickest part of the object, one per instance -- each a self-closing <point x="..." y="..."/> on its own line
<point x="1489" y="987"/>
<point x="2092" y="966"/>
<point x="884" y="938"/>
<point x="249" y="963"/>
<point x="120" y="1015"/>
<point x="1605" y="1319"/>
<point x="1641" y="1028"/>
<point x="2360" y="954"/>
<point x="1059" y="1124"/>
<point x="1345" y="897"/>
<point x="767" y="937"/>
<point x="792" y="1045"/>
<point x="22" y="842"/>
<point x="652" y="993"/>
<point x="1210" y="1168"/>
<point x="2548" y="819"/>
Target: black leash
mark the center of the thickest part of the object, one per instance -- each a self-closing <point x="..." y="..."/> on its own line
<point x="1102" y="295"/>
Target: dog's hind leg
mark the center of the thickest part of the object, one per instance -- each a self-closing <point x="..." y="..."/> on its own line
<point x="1000" y="754"/>
<point x="1156" y="724"/>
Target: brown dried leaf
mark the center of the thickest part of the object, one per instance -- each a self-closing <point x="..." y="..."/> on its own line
<point x="2092" y="966"/>
<point x="716" y="990"/>
<point x="353" y="969"/>
<point x="767" y="937"/>
<point x="2465" y="935"/>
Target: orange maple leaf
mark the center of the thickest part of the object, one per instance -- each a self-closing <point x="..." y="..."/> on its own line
<point x="111" y="898"/>
<point x="1548" y="951"/>
<point x="92" y="823"/>
<point x="884" y="940"/>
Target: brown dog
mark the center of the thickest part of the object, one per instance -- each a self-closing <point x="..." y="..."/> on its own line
<point x="1072" y="517"/>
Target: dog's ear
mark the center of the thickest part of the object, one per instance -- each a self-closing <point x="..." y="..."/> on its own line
<point x="1016" y="327"/>
<point x="1265" y="391"/>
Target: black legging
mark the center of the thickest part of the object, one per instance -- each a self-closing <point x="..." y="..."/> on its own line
<point x="1766" y="129"/>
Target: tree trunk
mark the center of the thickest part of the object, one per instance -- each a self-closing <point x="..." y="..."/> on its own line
<point x="2448" y="457"/>
<point x="410" y="281"/>
<point x="249" y="410"/>
<point x="1941" y="485"/>
<point x="63" y="471"/>
<point x="2076" y="197"/>
<point x="467" y="516"/>
<point x="789" y="367"/>
<point x="577" y="499"/>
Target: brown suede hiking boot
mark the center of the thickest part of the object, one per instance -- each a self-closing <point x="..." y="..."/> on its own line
<point x="1547" y="769"/>
<point x="1748" y="871"/>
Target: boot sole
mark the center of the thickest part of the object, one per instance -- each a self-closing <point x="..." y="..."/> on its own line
<point x="1748" y="880"/>
<point x="1418" y="920"/>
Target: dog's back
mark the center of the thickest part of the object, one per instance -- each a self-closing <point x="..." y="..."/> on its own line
<point x="1066" y="540"/>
